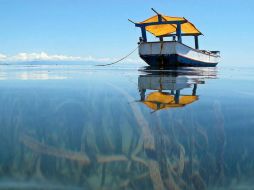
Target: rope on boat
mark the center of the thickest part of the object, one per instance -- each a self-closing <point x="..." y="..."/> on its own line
<point x="119" y="59"/>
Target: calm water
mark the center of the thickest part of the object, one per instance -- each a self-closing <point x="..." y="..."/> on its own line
<point x="126" y="127"/>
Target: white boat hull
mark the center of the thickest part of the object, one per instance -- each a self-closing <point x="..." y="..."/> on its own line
<point x="168" y="54"/>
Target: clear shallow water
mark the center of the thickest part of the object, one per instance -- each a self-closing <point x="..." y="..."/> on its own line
<point x="126" y="127"/>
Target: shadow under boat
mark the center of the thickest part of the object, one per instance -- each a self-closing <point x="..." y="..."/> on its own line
<point x="162" y="89"/>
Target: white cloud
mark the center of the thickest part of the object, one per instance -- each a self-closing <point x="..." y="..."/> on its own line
<point x="2" y="57"/>
<point x="29" y="57"/>
<point x="23" y="57"/>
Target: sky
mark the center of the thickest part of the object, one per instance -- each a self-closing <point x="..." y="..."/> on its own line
<point x="94" y="30"/>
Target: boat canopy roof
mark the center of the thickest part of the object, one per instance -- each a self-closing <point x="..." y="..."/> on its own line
<point x="168" y="29"/>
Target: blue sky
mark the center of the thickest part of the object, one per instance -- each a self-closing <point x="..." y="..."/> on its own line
<point x="100" y="28"/>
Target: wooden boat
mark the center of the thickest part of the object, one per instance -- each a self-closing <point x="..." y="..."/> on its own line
<point x="174" y="53"/>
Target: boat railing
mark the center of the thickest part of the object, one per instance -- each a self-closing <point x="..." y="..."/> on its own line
<point x="216" y="52"/>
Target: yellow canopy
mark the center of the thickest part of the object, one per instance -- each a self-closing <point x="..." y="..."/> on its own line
<point x="159" y="101"/>
<point x="167" y="29"/>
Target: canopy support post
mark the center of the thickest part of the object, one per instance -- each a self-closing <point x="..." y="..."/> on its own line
<point x="177" y="97"/>
<point x="143" y="31"/>
<point x="179" y="32"/>
<point x="142" y="94"/>
<point x="194" y="91"/>
<point x="196" y="42"/>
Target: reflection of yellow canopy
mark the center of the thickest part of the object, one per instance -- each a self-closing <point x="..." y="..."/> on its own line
<point x="159" y="101"/>
<point x="167" y="29"/>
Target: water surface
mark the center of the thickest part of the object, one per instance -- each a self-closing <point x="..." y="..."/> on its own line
<point x="126" y="127"/>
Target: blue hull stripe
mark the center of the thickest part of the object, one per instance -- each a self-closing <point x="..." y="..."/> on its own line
<point x="174" y="61"/>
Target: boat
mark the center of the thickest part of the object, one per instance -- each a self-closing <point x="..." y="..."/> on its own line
<point x="173" y="53"/>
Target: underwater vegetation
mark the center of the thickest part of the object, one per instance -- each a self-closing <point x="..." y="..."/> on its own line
<point x="87" y="140"/>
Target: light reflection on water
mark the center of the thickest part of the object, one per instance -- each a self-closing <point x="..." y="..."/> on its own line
<point x="124" y="127"/>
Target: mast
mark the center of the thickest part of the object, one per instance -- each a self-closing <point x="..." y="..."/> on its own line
<point x="160" y="20"/>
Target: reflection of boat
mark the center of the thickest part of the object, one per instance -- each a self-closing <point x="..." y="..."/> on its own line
<point x="166" y="89"/>
<point x="173" y="53"/>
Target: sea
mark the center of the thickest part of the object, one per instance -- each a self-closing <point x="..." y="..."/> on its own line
<point x="126" y="127"/>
